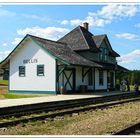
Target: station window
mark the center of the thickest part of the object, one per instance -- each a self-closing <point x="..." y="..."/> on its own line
<point x="21" y="71"/>
<point x="103" y="54"/>
<point x="40" y="70"/>
<point x="101" y="78"/>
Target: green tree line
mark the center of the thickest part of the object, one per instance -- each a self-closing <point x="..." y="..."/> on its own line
<point x="133" y="76"/>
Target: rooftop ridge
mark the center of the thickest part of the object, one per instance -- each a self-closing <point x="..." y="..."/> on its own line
<point x="53" y="41"/>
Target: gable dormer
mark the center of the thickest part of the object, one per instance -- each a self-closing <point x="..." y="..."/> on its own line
<point x="106" y="54"/>
<point x="80" y="39"/>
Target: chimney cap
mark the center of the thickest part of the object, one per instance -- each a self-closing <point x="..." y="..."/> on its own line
<point x="85" y="25"/>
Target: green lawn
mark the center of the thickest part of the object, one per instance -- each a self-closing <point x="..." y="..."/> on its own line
<point x="15" y="96"/>
<point x="4" y="82"/>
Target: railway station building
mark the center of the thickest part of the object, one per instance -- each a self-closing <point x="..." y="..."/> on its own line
<point x="79" y="59"/>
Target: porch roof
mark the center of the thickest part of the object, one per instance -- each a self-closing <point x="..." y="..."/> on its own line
<point x="110" y="66"/>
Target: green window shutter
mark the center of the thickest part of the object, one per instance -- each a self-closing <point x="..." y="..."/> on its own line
<point x="40" y="70"/>
<point x="22" y="71"/>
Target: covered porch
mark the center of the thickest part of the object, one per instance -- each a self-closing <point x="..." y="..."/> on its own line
<point x="75" y="79"/>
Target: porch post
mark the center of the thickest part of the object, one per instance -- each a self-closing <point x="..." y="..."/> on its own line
<point x="94" y="78"/>
<point x="114" y="78"/>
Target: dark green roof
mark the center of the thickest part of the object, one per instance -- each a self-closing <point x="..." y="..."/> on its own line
<point x="63" y="52"/>
<point x="110" y="66"/>
<point x="60" y="51"/>
<point x="79" y="39"/>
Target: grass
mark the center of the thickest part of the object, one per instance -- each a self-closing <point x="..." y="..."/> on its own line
<point x="5" y="95"/>
<point x="15" y="96"/>
<point x="132" y="87"/>
<point x="4" y="82"/>
<point x="96" y="122"/>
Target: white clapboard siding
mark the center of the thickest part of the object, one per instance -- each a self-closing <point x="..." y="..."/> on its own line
<point x="32" y="82"/>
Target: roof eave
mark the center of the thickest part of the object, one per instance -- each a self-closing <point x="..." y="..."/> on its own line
<point x="7" y="59"/>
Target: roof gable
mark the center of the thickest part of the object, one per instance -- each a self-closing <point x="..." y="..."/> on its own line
<point x="21" y="43"/>
<point x="79" y="39"/>
<point x="75" y="39"/>
<point x="99" y="39"/>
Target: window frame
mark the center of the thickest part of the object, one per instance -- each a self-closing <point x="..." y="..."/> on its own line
<point x="22" y="74"/>
<point x="38" y="70"/>
<point x="103" y="55"/>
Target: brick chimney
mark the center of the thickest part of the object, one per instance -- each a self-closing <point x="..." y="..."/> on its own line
<point x="85" y="25"/>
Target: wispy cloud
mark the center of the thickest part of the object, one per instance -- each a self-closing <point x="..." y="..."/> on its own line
<point x="4" y="44"/>
<point x="16" y="41"/>
<point x="107" y="15"/>
<point x="63" y="22"/>
<point x="137" y="25"/>
<point x="6" y="13"/>
<point x="128" y="36"/>
<point x="36" y="17"/>
<point x="129" y="58"/>
<point x="53" y="33"/>
<point x="4" y="54"/>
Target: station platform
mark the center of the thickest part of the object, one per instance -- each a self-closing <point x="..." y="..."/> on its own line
<point x="53" y="98"/>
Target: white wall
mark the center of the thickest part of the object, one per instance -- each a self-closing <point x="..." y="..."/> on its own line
<point x="97" y="86"/>
<point x="32" y="82"/>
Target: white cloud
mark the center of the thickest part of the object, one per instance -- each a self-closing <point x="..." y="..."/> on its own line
<point x="129" y="58"/>
<point x="137" y="25"/>
<point x="4" y="44"/>
<point x="4" y="54"/>
<point x="127" y="36"/>
<point x="64" y="22"/>
<point x="52" y="33"/>
<point x="107" y="15"/>
<point x="6" y="13"/>
<point x="76" y="22"/>
<point x="113" y="11"/>
<point x="36" y="17"/>
<point x="16" y="41"/>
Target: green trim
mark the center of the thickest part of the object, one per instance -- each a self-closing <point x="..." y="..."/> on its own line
<point x="8" y="57"/>
<point x="63" y="61"/>
<point x="9" y="78"/>
<point x="28" y="36"/>
<point x="31" y="92"/>
<point x="37" y="70"/>
<point x="56" y="69"/>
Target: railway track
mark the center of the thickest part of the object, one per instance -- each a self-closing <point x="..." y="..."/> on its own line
<point x="130" y="130"/>
<point x="57" y="105"/>
<point x="6" y="121"/>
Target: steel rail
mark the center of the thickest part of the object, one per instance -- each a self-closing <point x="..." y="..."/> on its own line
<point x="52" y="106"/>
<point x="65" y="112"/>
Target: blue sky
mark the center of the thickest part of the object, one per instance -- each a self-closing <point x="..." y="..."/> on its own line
<point x="121" y="23"/>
